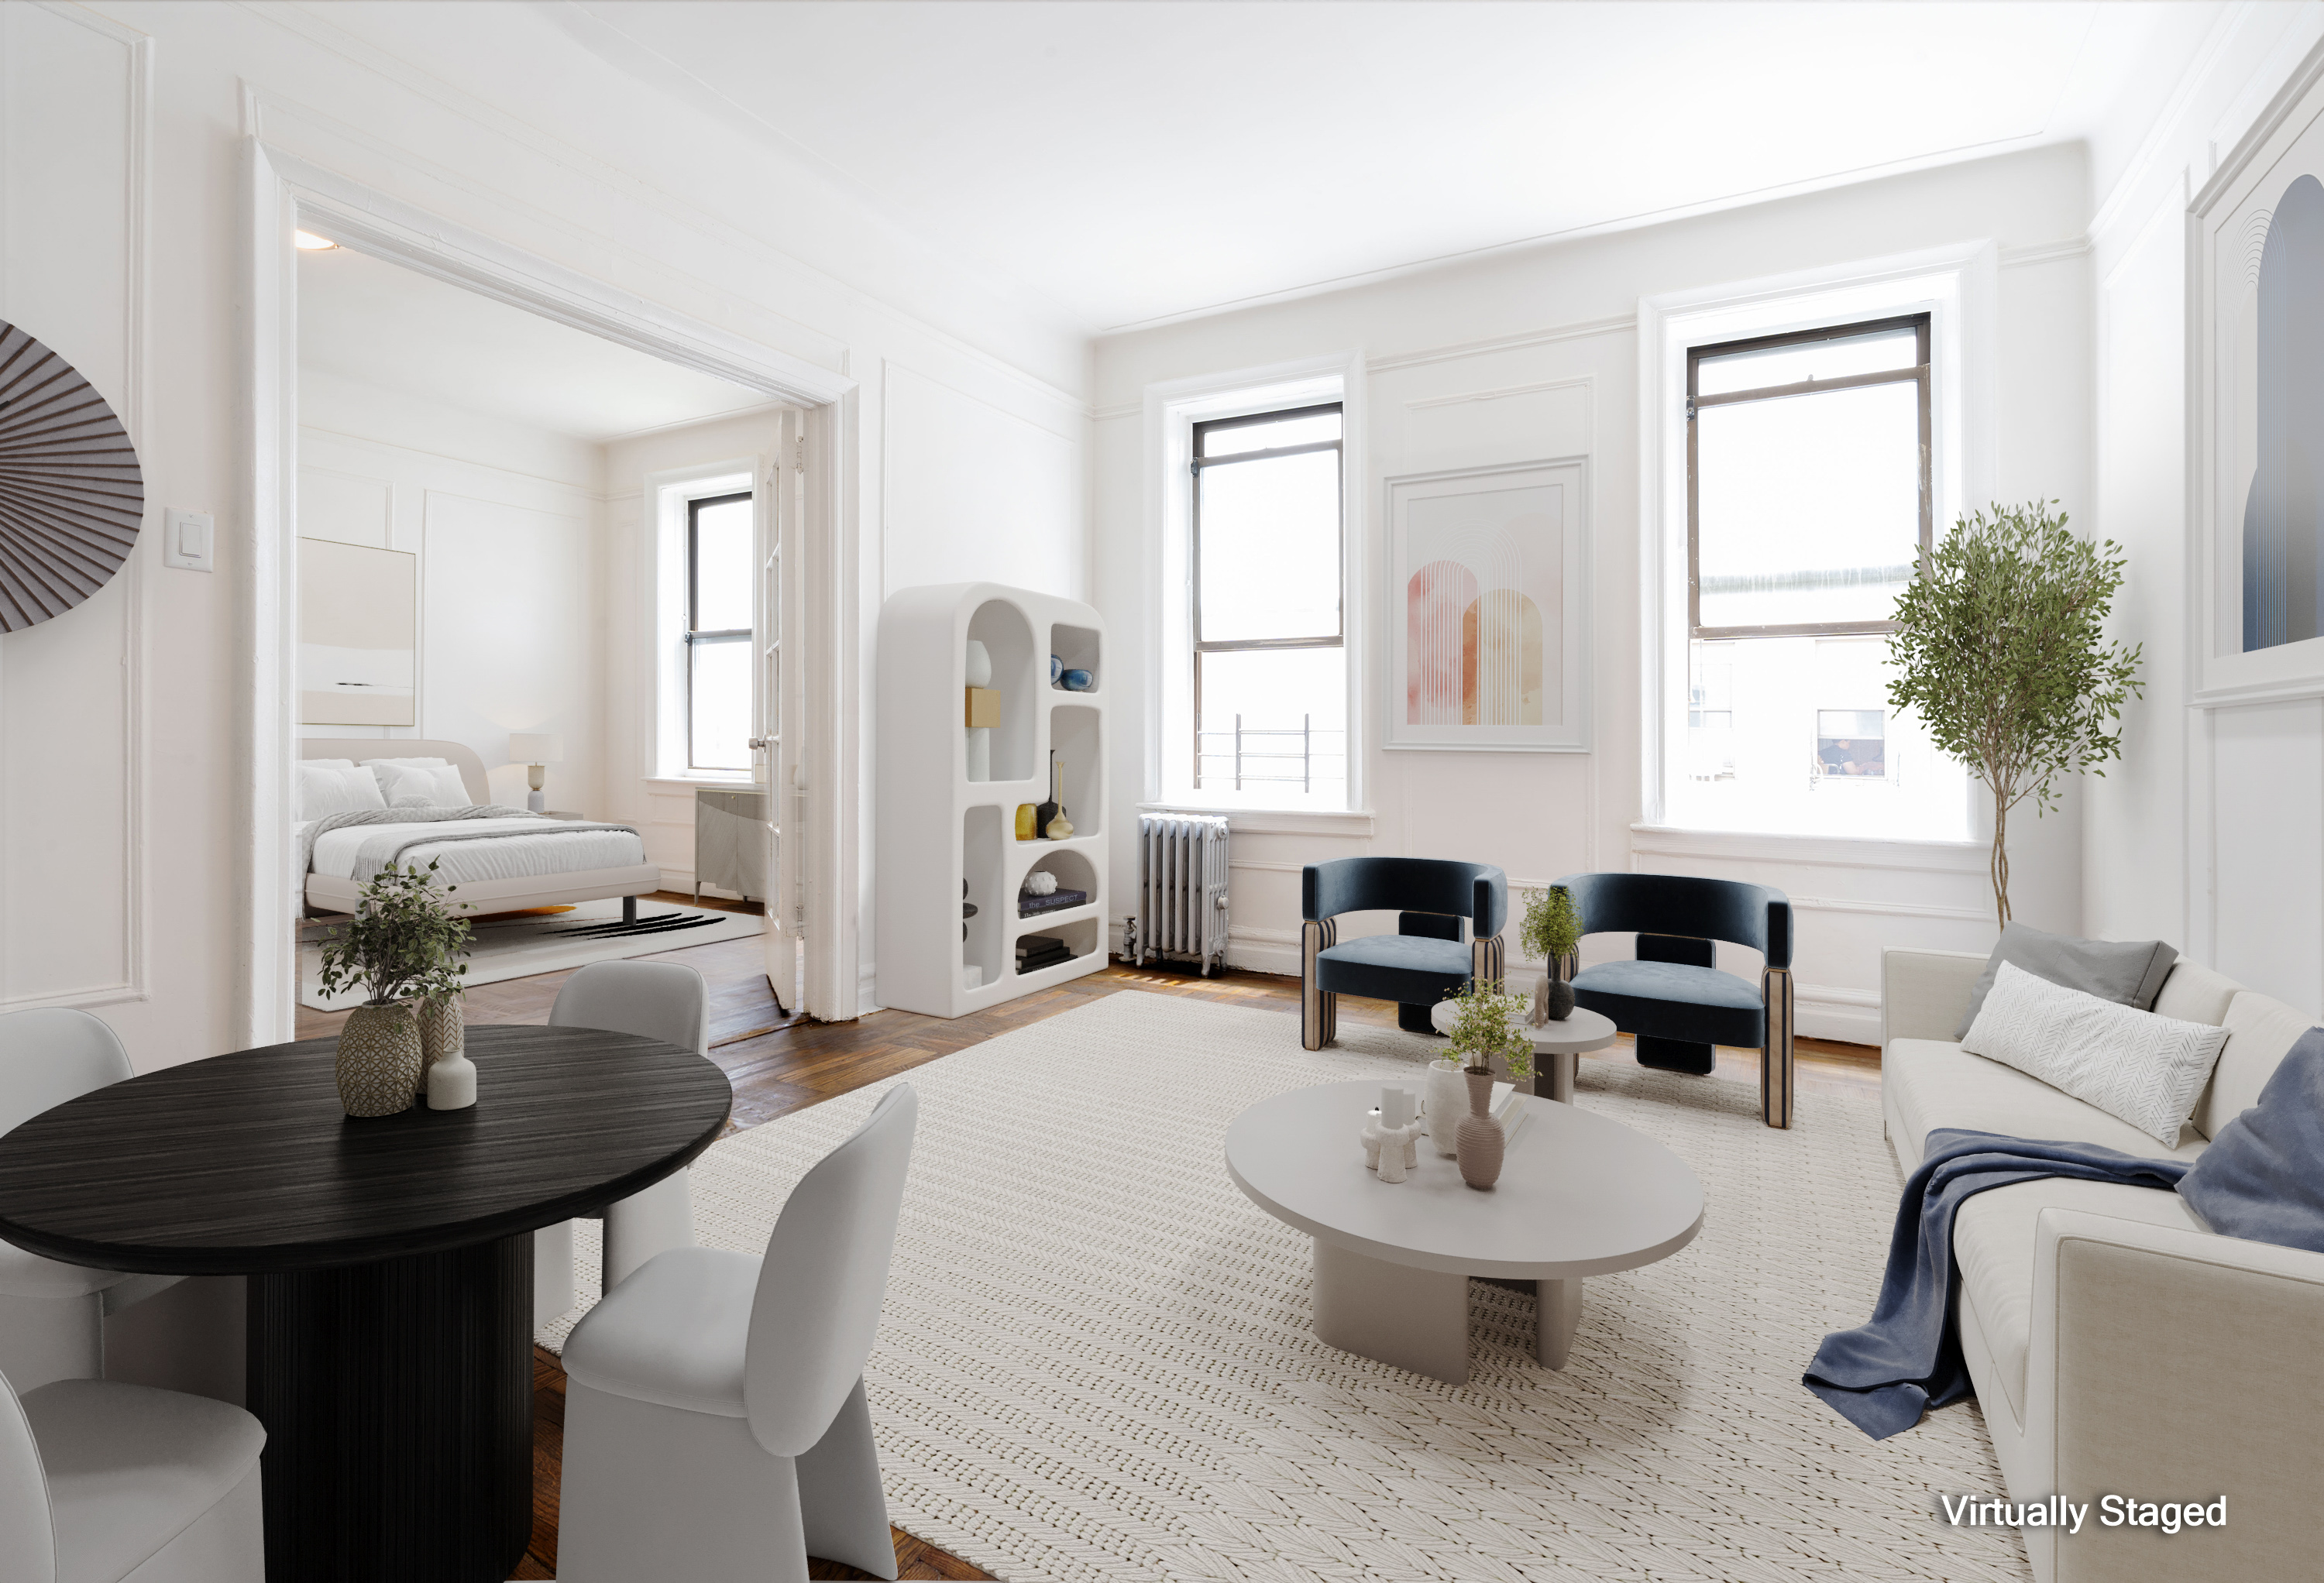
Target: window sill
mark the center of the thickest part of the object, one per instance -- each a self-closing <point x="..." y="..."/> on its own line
<point x="1846" y="851"/>
<point x="721" y="782"/>
<point x="1352" y="822"/>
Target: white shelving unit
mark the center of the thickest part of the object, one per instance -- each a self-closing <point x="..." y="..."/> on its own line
<point x="937" y="829"/>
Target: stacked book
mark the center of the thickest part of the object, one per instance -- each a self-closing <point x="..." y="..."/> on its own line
<point x="1035" y="951"/>
<point x="1028" y="904"/>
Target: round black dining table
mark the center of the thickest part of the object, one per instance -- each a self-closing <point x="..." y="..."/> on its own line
<point x="390" y="1263"/>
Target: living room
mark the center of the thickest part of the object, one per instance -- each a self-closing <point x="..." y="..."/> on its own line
<point x="1440" y="514"/>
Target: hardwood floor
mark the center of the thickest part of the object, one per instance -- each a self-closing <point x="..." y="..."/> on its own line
<point x="779" y="1064"/>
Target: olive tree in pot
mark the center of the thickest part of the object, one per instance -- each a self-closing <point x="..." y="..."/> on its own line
<point x="2000" y="645"/>
<point x="403" y="946"/>
<point x="1551" y="931"/>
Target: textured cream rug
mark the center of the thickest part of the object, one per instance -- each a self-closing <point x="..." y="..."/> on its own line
<point x="1096" y="1361"/>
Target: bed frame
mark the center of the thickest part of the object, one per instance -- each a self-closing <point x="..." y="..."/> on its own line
<point x="328" y="894"/>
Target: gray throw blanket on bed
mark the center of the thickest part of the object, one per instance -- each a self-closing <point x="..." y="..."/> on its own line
<point x="375" y="855"/>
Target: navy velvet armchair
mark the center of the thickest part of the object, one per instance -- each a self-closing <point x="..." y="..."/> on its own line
<point x="1673" y="998"/>
<point x="1421" y="963"/>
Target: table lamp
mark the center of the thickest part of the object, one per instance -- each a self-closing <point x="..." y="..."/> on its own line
<point x="536" y="750"/>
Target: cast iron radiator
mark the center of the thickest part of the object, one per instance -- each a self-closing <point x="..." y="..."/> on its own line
<point x="1182" y="890"/>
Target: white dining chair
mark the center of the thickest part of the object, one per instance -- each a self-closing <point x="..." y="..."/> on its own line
<point x="52" y="1314"/>
<point x="100" y="1480"/>
<point x="715" y="1424"/>
<point x="663" y="1000"/>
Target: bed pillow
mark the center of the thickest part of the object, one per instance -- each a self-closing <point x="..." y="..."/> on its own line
<point x="323" y="789"/>
<point x="439" y="784"/>
<point x="2129" y="972"/>
<point x="2134" y="1066"/>
<point x="423" y="763"/>
<point x="327" y="763"/>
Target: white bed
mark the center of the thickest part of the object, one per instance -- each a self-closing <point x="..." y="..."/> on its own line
<point x="535" y="865"/>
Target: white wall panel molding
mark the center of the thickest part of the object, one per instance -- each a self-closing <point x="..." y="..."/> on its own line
<point x="2042" y="253"/>
<point x="75" y="935"/>
<point x="2158" y="150"/>
<point x="1583" y="329"/>
<point x="1541" y="387"/>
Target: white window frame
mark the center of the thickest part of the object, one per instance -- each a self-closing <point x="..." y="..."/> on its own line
<point x="668" y="495"/>
<point x="1171" y="411"/>
<point x="1956" y="286"/>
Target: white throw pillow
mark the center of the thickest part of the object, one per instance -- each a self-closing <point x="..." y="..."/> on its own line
<point x="325" y="790"/>
<point x="439" y="784"/>
<point x="2134" y="1066"/>
<point x="326" y="764"/>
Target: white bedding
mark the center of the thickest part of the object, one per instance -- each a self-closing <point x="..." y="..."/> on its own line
<point x="538" y="851"/>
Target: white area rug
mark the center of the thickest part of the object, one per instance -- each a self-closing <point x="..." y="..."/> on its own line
<point x="519" y="947"/>
<point x="1096" y="1364"/>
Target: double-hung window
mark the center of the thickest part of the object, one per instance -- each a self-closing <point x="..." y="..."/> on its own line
<point x="1808" y="487"/>
<point x="1269" y="637"/>
<point x="718" y="581"/>
<point x="1809" y="501"/>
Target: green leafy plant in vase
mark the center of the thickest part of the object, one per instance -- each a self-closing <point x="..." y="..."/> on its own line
<point x="1489" y="1027"/>
<point x="405" y="948"/>
<point x="1551" y="931"/>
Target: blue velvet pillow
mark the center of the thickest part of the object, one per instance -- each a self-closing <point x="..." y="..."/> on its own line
<point x="2262" y="1177"/>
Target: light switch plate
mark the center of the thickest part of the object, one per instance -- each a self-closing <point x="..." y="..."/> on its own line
<point x="187" y="541"/>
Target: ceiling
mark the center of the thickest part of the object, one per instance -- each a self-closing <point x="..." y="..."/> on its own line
<point x="382" y="325"/>
<point x="1132" y="161"/>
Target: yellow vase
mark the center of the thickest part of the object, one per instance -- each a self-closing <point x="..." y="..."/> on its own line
<point x="1025" y="831"/>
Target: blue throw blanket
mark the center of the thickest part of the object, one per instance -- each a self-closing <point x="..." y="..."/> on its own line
<point x="1883" y="1376"/>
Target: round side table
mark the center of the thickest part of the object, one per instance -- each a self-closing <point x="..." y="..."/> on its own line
<point x="1557" y="1046"/>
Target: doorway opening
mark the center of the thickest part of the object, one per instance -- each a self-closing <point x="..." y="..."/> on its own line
<point x="566" y="555"/>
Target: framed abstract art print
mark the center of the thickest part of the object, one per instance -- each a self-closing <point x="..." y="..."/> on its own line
<point x="1488" y="608"/>
<point x="2256" y="351"/>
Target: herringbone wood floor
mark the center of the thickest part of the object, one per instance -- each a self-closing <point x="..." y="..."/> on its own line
<point x="779" y="1064"/>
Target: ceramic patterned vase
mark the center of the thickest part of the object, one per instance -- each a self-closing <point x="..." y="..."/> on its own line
<point x="379" y="1060"/>
<point x="1445" y="1103"/>
<point x="1483" y="1142"/>
<point x="442" y="1035"/>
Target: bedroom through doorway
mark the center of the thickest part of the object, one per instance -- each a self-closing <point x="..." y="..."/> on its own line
<point x="541" y="597"/>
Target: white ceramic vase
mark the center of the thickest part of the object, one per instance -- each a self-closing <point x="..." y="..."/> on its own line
<point x="1448" y="1101"/>
<point x="452" y="1084"/>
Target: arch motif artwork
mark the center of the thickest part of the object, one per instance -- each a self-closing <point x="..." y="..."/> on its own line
<point x="1485" y="565"/>
<point x="71" y="496"/>
<point x="2283" y="507"/>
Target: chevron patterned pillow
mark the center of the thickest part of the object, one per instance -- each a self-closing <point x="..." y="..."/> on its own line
<point x="2143" y="1069"/>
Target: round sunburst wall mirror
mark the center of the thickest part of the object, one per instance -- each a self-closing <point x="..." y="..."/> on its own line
<point x="71" y="497"/>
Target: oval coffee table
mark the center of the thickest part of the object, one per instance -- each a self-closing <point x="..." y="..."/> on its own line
<point x="1581" y="1195"/>
<point x="390" y="1261"/>
<point x="1563" y="1041"/>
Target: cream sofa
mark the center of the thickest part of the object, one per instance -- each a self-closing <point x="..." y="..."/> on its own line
<point x="2118" y="1346"/>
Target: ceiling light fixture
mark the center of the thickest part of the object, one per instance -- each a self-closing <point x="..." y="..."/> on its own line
<point x="310" y="243"/>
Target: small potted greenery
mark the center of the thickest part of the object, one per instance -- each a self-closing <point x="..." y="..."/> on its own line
<point x="404" y="945"/>
<point x="1488" y="1026"/>
<point x="1553" y="931"/>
